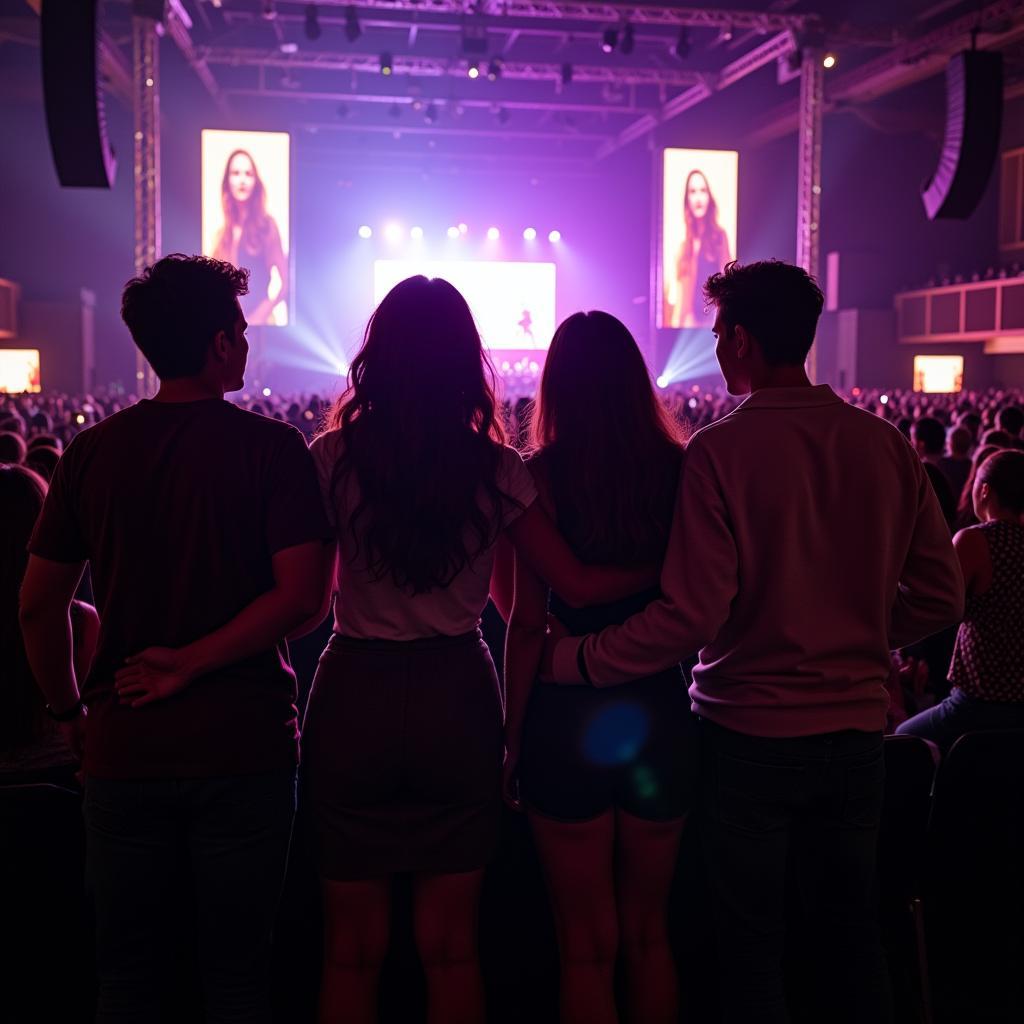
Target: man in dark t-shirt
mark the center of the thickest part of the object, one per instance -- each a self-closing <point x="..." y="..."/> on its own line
<point x="204" y="533"/>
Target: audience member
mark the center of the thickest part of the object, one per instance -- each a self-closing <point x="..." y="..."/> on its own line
<point x="965" y="507"/>
<point x="204" y="532"/>
<point x="1011" y="419"/>
<point x="794" y="566"/>
<point x="32" y="748"/>
<point x="987" y="671"/>
<point x="42" y="460"/>
<point x="956" y="466"/>
<point x="606" y="776"/>
<point x="929" y="437"/>
<point x="12" y="448"/>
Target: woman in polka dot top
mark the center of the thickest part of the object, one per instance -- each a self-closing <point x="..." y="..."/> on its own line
<point x="987" y="671"/>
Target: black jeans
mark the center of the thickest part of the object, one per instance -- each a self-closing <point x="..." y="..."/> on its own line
<point x="232" y="836"/>
<point x="811" y="804"/>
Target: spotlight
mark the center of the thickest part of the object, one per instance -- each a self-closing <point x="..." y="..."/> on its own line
<point x="431" y="114"/>
<point x="453" y="232"/>
<point x="610" y="39"/>
<point x="387" y="64"/>
<point x="463" y="229"/>
<point x="312" y="23"/>
<point x="682" y="48"/>
<point x="474" y="69"/>
<point x="366" y="231"/>
<point x="493" y="234"/>
<point x="269" y="10"/>
<point x="727" y="34"/>
<point x="392" y="232"/>
<point x="662" y="381"/>
<point x="416" y="233"/>
<point x="530" y="234"/>
<point x="829" y="60"/>
<point x="494" y="70"/>
<point x="566" y="74"/>
<point x="284" y="48"/>
<point x="353" y="30"/>
<point x="627" y="39"/>
<point x="554" y="236"/>
<point x="266" y="392"/>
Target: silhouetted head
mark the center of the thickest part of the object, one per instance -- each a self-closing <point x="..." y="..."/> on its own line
<point x="999" y="485"/>
<point x="929" y="436"/>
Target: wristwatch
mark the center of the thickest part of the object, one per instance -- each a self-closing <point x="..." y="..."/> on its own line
<point x="70" y="714"/>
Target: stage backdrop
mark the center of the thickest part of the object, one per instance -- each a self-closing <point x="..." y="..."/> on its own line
<point x="698" y="230"/>
<point x="513" y="302"/>
<point x="239" y="169"/>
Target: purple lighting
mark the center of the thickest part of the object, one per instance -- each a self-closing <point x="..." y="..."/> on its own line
<point x="530" y="234"/>
<point x="554" y="236"/>
<point x="493" y="234"/>
<point x="366" y="231"/>
<point x="453" y="232"/>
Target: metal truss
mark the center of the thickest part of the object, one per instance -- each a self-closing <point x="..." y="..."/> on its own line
<point x="433" y="67"/>
<point x="778" y="46"/>
<point x="146" y="164"/>
<point x="808" y="197"/>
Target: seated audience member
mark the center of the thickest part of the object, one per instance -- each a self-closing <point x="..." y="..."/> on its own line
<point x="12" y="448"/>
<point x="42" y="460"/>
<point x="1011" y="419"/>
<point x="965" y="507"/>
<point x="402" y="740"/>
<point x="204" y="532"/>
<point x="971" y="421"/>
<point x="607" y="777"/>
<point x="987" y="671"/>
<point x="44" y="441"/>
<point x="956" y="466"/>
<point x="32" y="747"/>
<point x="929" y="439"/>
<point x="998" y="437"/>
<point x="794" y="566"/>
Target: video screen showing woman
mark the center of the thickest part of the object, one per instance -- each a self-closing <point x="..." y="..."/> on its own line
<point x="245" y="215"/>
<point x="698" y="230"/>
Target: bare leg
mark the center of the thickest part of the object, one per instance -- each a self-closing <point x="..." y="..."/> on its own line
<point x="445" y="913"/>
<point x="356" y="926"/>
<point x="645" y="862"/>
<point x="577" y="859"/>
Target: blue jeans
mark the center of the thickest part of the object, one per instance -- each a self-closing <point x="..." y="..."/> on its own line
<point x="231" y="835"/>
<point x="812" y="803"/>
<point x="945" y="723"/>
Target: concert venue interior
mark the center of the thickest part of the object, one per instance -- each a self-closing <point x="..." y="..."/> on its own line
<point x="545" y="157"/>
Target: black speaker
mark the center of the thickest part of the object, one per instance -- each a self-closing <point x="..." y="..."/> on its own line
<point x="71" y="90"/>
<point x="974" y="114"/>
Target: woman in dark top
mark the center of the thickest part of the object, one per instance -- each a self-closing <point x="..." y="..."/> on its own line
<point x="987" y="672"/>
<point x="604" y="775"/>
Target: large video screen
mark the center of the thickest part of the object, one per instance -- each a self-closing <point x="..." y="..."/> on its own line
<point x="513" y="303"/>
<point x="19" y="370"/>
<point x="938" y="374"/>
<point x="698" y="230"/>
<point x="246" y="215"/>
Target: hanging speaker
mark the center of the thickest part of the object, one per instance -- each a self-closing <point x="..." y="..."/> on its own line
<point x="974" y="114"/>
<point x="71" y="91"/>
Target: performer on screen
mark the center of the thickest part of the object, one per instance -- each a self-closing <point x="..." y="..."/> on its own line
<point x="250" y="237"/>
<point x="704" y="251"/>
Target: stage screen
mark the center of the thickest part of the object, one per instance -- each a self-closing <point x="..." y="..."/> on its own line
<point x="19" y="370"/>
<point x="246" y="215"/>
<point x="513" y="303"/>
<point x="938" y="374"/>
<point x="698" y="230"/>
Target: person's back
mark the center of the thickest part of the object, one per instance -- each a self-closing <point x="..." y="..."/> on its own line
<point x="170" y="504"/>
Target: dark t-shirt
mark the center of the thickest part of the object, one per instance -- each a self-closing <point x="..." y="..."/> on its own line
<point x="178" y="509"/>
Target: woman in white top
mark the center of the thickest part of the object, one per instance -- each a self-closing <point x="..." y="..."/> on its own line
<point x="402" y="743"/>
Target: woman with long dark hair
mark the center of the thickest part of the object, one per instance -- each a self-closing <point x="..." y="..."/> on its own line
<point x="251" y="238"/>
<point x="604" y="774"/>
<point x="32" y="748"/>
<point x="402" y="743"/>
<point x="704" y="251"/>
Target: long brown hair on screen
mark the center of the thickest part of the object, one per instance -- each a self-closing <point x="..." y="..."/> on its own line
<point x="421" y="438"/>
<point x="608" y="448"/>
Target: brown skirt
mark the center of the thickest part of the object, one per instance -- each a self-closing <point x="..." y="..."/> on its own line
<point x="401" y="757"/>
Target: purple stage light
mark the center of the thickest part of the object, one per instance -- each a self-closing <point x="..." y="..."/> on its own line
<point x="493" y="234"/>
<point x="530" y="234"/>
<point x="366" y="231"/>
<point x="554" y="236"/>
<point x="453" y="232"/>
<point x="393" y="232"/>
<point x="416" y="233"/>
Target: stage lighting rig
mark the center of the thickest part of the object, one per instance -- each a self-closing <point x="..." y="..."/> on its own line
<point x="387" y="64"/>
<point x="610" y="39"/>
<point x="474" y="69"/>
<point x="353" y="30"/>
<point x="269" y="12"/>
<point x="566" y="74"/>
<point x="494" y="70"/>
<point x="682" y="47"/>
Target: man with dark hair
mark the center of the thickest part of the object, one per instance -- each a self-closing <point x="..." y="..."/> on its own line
<point x="929" y="437"/>
<point x="957" y="464"/>
<point x="806" y="544"/>
<point x="1011" y="419"/>
<point x="204" y="532"/>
